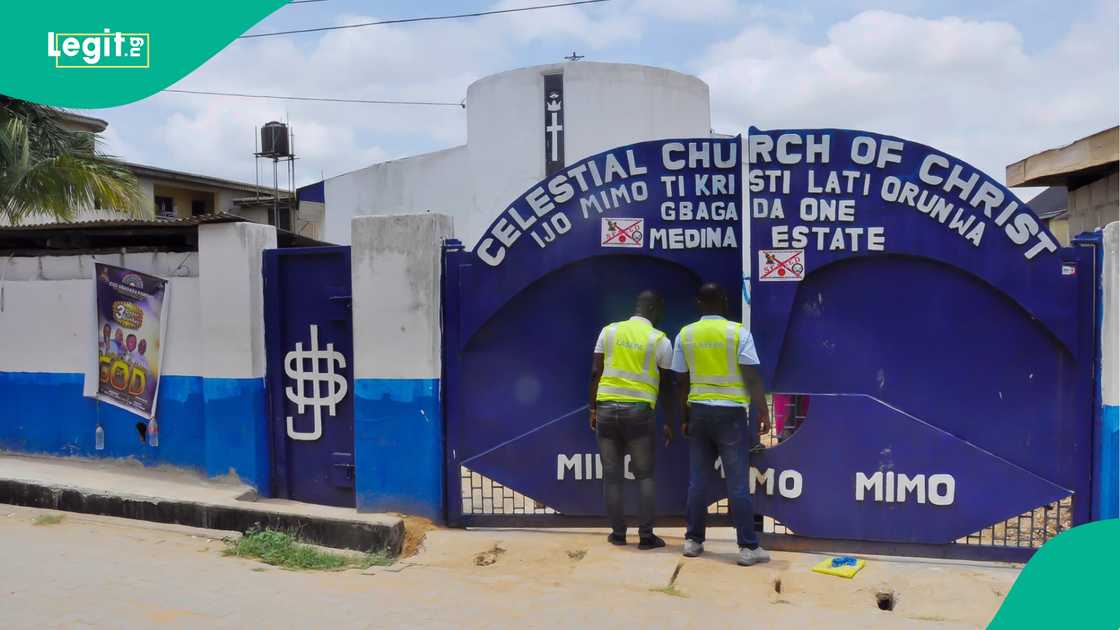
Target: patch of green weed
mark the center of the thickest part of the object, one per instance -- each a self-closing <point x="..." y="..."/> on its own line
<point x="669" y="590"/>
<point x="283" y="549"/>
<point x="48" y="519"/>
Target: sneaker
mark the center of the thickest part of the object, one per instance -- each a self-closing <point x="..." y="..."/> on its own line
<point x="650" y="542"/>
<point x="748" y="556"/>
<point x="616" y="539"/>
<point x="692" y="548"/>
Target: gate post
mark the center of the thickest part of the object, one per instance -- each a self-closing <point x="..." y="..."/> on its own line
<point x="398" y="423"/>
<point x="232" y="341"/>
<point x="1106" y="447"/>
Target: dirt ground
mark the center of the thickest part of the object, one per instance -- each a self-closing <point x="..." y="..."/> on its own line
<point x="87" y="571"/>
<point x="781" y="593"/>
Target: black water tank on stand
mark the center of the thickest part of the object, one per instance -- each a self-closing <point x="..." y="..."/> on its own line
<point x="274" y="140"/>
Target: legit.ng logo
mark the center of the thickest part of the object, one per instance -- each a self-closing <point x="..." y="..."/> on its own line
<point x="106" y="50"/>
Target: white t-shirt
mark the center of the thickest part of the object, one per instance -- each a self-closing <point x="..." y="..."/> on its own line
<point x="664" y="347"/>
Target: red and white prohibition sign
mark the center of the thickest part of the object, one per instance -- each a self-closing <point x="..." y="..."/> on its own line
<point x="781" y="265"/>
<point x="622" y="232"/>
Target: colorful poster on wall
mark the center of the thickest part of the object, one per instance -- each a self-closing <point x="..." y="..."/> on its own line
<point x="131" y="324"/>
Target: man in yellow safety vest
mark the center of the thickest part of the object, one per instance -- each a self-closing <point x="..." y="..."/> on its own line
<point x="717" y="379"/>
<point x="625" y="380"/>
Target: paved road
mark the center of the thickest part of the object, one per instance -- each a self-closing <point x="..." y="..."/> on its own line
<point x="101" y="572"/>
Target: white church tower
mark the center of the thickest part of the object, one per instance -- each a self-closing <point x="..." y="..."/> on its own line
<point x="522" y="125"/>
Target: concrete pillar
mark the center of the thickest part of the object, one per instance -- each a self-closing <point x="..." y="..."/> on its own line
<point x="1108" y="443"/>
<point x="232" y="344"/>
<point x="398" y="426"/>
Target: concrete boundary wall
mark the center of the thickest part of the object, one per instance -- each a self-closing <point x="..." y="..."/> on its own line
<point x="1108" y="454"/>
<point x="211" y="407"/>
<point x="80" y="267"/>
<point x="46" y="326"/>
<point x="398" y="423"/>
<point x="232" y="301"/>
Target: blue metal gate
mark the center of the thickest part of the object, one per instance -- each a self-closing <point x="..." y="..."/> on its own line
<point x="943" y="334"/>
<point x="522" y="314"/>
<point x="941" y="355"/>
<point x="309" y="341"/>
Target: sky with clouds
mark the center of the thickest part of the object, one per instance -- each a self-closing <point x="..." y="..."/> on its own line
<point x="988" y="81"/>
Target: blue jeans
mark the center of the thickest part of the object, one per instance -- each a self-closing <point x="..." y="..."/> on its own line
<point x="726" y="432"/>
<point x="627" y="429"/>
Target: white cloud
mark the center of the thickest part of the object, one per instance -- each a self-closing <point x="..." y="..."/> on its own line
<point x="691" y="10"/>
<point x="117" y="146"/>
<point x="779" y="15"/>
<point x="218" y="139"/>
<point x="964" y="86"/>
<point x="433" y="61"/>
<point x="213" y="135"/>
<point x="593" y="25"/>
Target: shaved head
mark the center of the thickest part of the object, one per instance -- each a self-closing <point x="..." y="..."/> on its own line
<point x="711" y="299"/>
<point x="649" y="305"/>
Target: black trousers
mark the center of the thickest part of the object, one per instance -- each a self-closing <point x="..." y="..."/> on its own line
<point x="627" y="429"/>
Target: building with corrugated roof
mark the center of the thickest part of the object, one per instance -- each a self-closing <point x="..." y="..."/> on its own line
<point x="182" y="195"/>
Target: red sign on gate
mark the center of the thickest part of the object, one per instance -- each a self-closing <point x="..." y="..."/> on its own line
<point x="622" y="232"/>
<point x="781" y="265"/>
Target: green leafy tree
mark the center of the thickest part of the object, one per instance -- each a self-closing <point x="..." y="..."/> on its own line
<point x="48" y="169"/>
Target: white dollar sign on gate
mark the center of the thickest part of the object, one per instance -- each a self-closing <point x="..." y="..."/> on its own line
<point x="334" y="383"/>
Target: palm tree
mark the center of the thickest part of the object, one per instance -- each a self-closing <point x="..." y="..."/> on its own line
<point x="49" y="169"/>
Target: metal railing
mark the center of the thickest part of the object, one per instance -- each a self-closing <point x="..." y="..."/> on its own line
<point x="484" y="496"/>
<point x="480" y="495"/>
<point x="1029" y="529"/>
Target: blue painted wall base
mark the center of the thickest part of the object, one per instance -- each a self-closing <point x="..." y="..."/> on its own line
<point x="46" y="413"/>
<point x="211" y="425"/>
<point x="237" y="430"/>
<point x="1108" y="470"/>
<point x="398" y="446"/>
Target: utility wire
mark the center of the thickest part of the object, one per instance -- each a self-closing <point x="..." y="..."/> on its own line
<point x="304" y="1"/>
<point x="421" y="19"/>
<point x="322" y="99"/>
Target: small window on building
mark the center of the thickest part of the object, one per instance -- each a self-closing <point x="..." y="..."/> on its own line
<point x="198" y="207"/>
<point x="165" y="206"/>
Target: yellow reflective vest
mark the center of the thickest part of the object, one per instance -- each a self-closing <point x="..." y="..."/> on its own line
<point x="711" y="347"/>
<point x="630" y="362"/>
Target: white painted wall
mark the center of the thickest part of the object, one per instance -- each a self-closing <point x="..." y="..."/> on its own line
<point x="1110" y="335"/>
<point x="606" y="105"/>
<point x="48" y="326"/>
<point x="231" y="298"/>
<point x="46" y="313"/>
<point x="395" y="271"/>
<point x="215" y="326"/>
<point x="435" y="182"/>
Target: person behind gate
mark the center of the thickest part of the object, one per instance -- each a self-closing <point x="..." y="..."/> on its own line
<point x="715" y="363"/>
<point x="625" y="380"/>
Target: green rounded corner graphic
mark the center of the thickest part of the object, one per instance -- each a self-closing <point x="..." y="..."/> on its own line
<point x="85" y="54"/>
<point x="1071" y="582"/>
